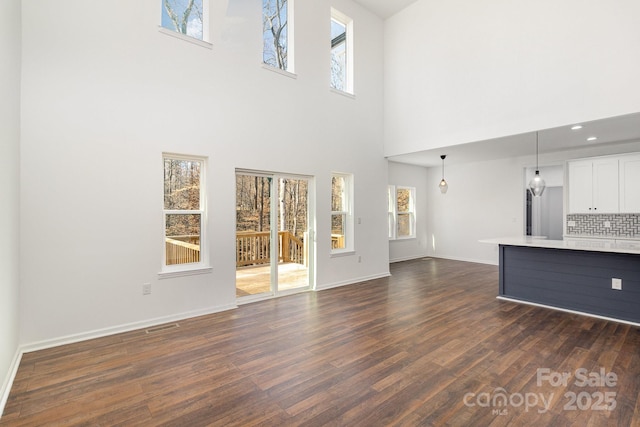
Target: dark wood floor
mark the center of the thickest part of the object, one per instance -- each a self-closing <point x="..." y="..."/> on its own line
<point x="430" y="345"/>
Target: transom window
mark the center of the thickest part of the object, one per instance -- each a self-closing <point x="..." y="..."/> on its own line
<point x="183" y="211"/>
<point x="186" y="17"/>
<point x="341" y="213"/>
<point x="277" y="30"/>
<point x="341" y="52"/>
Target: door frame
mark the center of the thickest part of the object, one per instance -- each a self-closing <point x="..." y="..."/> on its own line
<point x="273" y="233"/>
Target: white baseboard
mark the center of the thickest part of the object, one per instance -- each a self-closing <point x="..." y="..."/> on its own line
<point x="408" y="258"/>
<point x="453" y="258"/>
<point x="474" y="260"/>
<point x="99" y="333"/>
<point x="352" y="281"/>
<point x="8" y="382"/>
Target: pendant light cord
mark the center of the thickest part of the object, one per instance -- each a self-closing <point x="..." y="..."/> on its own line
<point x="536" y="150"/>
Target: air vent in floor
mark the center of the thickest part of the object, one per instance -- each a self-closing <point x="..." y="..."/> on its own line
<point x="162" y="328"/>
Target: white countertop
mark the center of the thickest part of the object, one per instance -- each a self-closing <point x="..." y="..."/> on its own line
<point x="580" y="244"/>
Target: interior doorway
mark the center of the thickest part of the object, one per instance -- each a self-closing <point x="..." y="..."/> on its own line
<point x="544" y="215"/>
<point x="273" y="251"/>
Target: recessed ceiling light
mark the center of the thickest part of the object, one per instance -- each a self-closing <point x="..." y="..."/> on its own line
<point x="576" y="127"/>
<point x="592" y="138"/>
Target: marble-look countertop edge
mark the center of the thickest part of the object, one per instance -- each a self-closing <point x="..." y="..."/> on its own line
<point x="580" y="244"/>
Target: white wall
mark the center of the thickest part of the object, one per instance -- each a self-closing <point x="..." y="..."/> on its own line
<point x="459" y="71"/>
<point x="411" y="176"/>
<point x="486" y="200"/>
<point x="105" y="93"/>
<point x="553" y="176"/>
<point x="10" y="34"/>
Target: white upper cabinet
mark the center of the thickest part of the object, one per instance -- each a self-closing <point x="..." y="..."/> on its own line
<point x="605" y="186"/>
<point x="580" y="186"/>
<point x="593" y="186"/>
<point x="630" y="184"/>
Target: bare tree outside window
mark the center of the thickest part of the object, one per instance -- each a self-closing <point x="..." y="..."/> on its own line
<point x="338" y="55"/>
<point x="253" y="208"/>
<point x="405" y="212"/>
<point x="183" y="16"/>
<point x="183" y="210"/>
<point x="275" y="33"/>
<point x="339" y="212"/>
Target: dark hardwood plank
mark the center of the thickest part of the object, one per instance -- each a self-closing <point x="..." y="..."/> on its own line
<point x="407" y="350"/>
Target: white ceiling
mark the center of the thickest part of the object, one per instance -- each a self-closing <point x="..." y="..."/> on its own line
<point x="615" y="131"/>
<point x="385" y="8"/>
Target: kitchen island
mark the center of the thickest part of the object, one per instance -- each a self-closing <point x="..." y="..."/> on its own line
<point x="577" y="275"/>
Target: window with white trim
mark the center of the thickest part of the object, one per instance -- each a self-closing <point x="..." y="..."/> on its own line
<point x="341" y="52"/>
<point x="186" y="18"/>
<point x="391" y="207"/>
<point x="405" y="212"/>
<point x="341" y="213"/>
<point x="277" y="34"/>
<point x="184" y="212"/>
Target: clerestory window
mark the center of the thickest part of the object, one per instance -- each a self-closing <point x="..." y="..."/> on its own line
<point x="277" y="34"/>
<point x="186" y="18"/>
<point x="341" y="52"/>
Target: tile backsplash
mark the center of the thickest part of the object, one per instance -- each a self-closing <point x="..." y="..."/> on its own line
<point x="604" y="225"/>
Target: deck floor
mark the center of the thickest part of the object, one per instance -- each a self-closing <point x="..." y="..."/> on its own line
<point x="257" y="280"/>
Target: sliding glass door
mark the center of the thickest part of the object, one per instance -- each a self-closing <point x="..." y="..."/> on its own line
<point x="272" y="234"/>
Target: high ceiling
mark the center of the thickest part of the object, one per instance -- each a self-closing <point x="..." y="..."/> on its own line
<point x="614" y="131"/>
<point x="385" y="8"/>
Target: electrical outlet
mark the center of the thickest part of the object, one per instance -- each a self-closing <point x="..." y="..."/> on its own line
<point x="146" y="289"/>
<point x="616" y="284"/>
<point x="359" y="258"/>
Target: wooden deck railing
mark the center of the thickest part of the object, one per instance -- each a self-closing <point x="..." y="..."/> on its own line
<point x="179" y="252"/>
<point x="337" y="241"/>
<point x="253" y="248"/>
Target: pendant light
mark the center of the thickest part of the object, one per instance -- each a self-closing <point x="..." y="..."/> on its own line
<point x="443" y="184"/>
<point x="537" y="185"/>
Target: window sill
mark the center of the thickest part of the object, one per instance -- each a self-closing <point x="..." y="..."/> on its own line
<point x="186" y="38"/>
<point x="343" y="93"/>
<point x="186" y="272"/>
<point x="279" y="71"/>
<point x="341" y="254"/>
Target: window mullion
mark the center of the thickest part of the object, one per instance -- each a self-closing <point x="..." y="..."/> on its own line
<point x="183" y="212"/>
